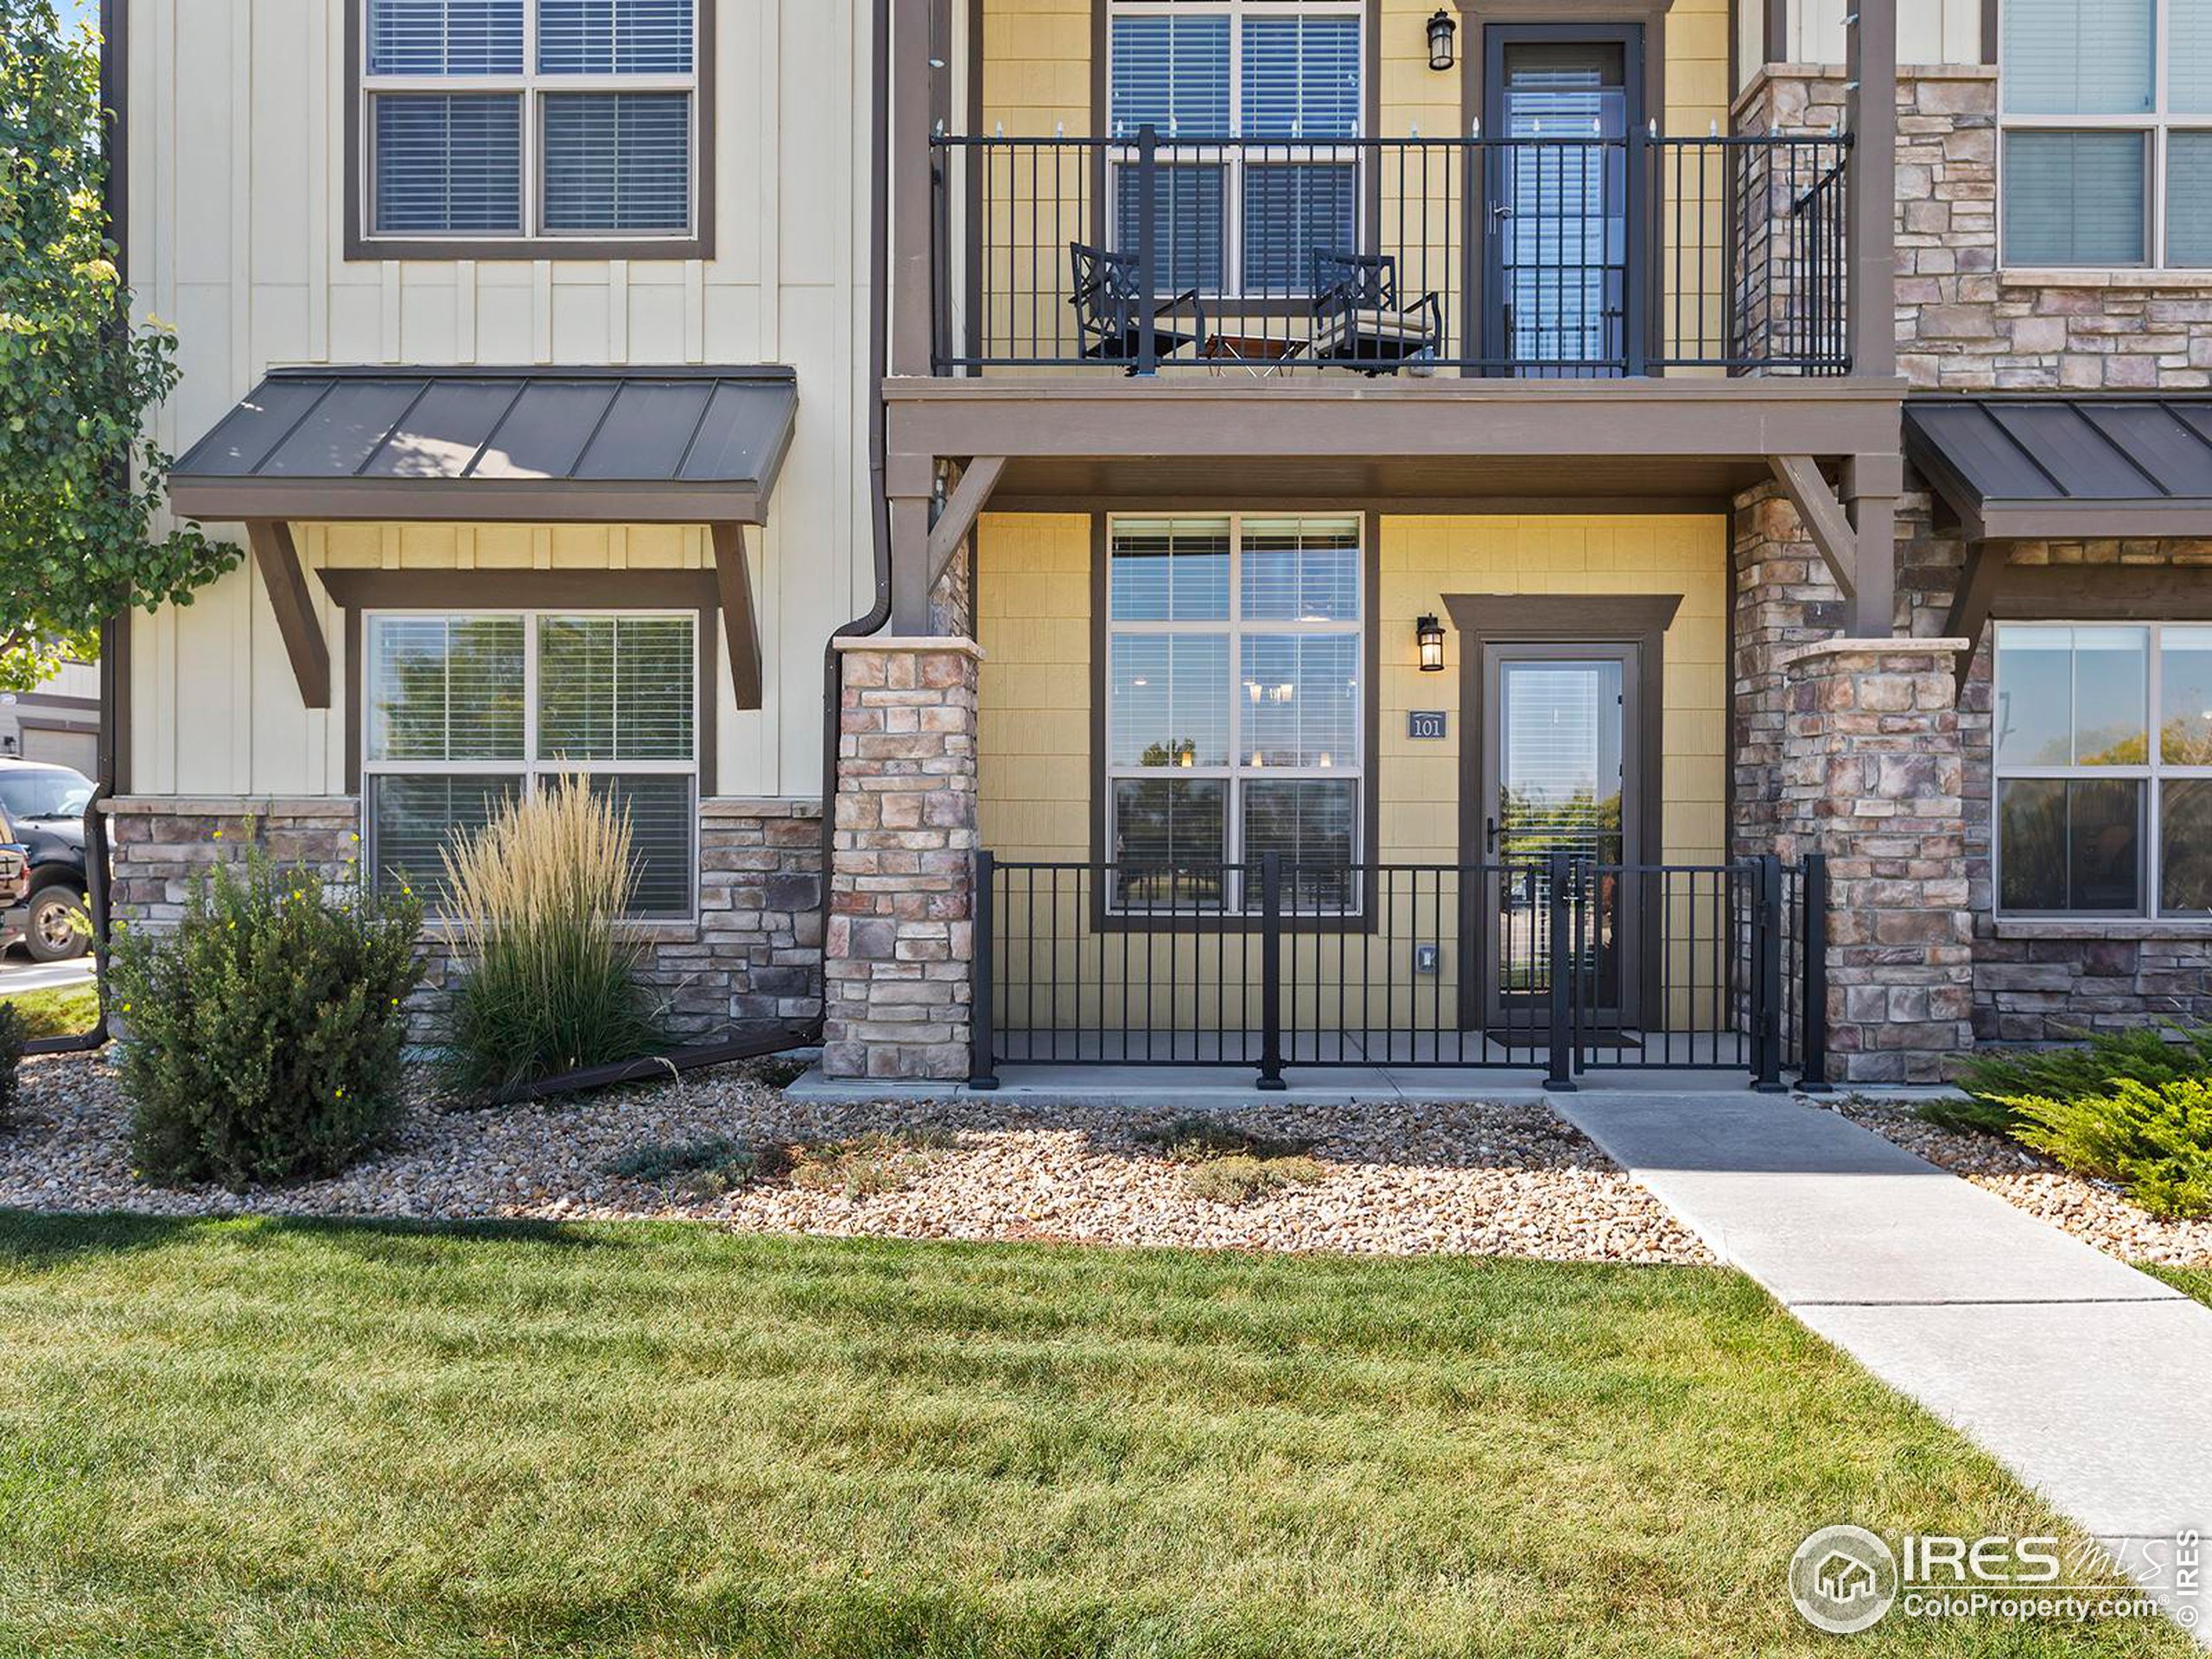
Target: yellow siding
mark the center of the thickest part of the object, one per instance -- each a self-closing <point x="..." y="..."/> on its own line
<point x="1035" y="603"/>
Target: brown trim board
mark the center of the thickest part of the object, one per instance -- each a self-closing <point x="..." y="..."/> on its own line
<point x="357" y="591"/>
<point x="699" y="245"/>
<point x="1099" y="804"/>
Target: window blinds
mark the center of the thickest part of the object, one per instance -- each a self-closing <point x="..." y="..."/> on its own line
<point x="1173" y="73"/>
<point x="614" y="37"/>
<point x="618" y="161"/>
<point x="445" y="37"/>
<point x="2078" y="57"/>
<point x="1301" y="78"/>
<point x="2074" y="199"/>
<point x="448" y="161"/>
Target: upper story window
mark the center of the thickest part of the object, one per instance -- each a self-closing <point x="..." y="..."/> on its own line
<point x="1239" y="219"/>
<point x="2103" y="739"/>
<point x="2106" y="109"/>
<point x="530" y="122"/>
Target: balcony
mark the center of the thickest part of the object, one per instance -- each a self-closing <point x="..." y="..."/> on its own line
<point x="1569" y="258"/>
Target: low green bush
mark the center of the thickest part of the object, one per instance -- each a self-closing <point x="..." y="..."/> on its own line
<point x="1193" y="1137"/>
<point x="12" y="1036"/>
<point x="2154" y="1055"/>
<point x="707" y="1168"/>
<point x="2155" y="1140"/>
<point x="1240" y="1177"/>
<point x="881" y="1160"/>
<point x="262" y="1034"/>
<point x="550" y="984"/>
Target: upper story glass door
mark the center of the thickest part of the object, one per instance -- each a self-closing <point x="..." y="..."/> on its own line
<point x="1560" y="290"/>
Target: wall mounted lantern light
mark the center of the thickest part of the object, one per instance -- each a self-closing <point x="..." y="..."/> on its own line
<point x="1441" y="29"/>
<point x="1429" y="633"/>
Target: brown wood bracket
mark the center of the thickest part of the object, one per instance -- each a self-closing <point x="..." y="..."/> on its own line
<point x="277" y="559"/>
<point x="740" y="624"/>
<point x="961" y="508"/>
<point x="1823" y="516"/>
<point x="1974" y="600"/>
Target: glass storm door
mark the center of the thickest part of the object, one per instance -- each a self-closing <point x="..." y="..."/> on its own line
<point x="1557" y="263"/>
<point x="1558" y="776"/>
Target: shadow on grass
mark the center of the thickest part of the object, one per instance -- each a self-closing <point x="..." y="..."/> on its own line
<point x="32" y="1242"/>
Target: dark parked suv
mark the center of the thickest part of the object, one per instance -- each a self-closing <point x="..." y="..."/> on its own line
<point x="43" y="806"/>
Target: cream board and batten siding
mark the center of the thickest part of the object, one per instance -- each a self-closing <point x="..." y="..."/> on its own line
<point x="1037" y="794"/>
<point x="237" y="192"/>
<point x="1929" y="32"/>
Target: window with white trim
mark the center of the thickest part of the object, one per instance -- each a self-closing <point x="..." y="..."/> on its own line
<point x="1287" y="74"/>
<point x="464" y="712"/>
<point x="2103" y="740"/>
<point x="490" y="120"/>
<point x="1234" y="712"/>
<point x="2106" y="132"/>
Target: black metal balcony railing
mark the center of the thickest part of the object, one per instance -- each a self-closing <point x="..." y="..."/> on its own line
<point x="1565" y="963"/>
<point x="1576" y="258"/>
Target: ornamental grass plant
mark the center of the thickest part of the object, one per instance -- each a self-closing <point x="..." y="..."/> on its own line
<point x="550" y="984"/>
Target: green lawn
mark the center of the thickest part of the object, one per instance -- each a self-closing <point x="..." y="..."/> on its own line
<point x="2190" y="1282"/>
<point x="64" y="1013"/>
<point x="254" y="1438"/>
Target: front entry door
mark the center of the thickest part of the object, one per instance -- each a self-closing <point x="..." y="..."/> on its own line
<point x="1559" y="297"/>
<point x="1559" y="775"/>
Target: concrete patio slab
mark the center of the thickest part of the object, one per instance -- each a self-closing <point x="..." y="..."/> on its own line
<point x="2082" y="1375"/>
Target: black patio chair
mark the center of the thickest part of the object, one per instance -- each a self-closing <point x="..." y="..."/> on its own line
<point x="1107" y="304"/>
<point x="1360" y="320"/>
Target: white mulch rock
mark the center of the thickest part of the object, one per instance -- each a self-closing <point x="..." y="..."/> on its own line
<point x="1401" y="1179"/>
<point x="2094" y="1211"/>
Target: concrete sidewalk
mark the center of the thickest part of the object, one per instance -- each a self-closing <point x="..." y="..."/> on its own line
<point x="2087" y="1378"/>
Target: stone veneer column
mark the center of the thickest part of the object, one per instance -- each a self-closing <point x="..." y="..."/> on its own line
<point x="1872" y="775"/>
<point x="898" y="966"/>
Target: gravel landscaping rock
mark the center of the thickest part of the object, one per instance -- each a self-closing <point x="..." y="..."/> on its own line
<point x="2093" y="1211"/>
<point x="1398" y="1178"/>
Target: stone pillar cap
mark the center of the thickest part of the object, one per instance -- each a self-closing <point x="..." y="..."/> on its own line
<point x="1897" y="646"/>
<point x="914" y="642"/>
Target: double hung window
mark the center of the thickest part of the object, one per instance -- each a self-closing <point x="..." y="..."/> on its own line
<point x="2107" y="112"/>
<point x="1234" y="726"/>
<point x="521" y="120"/>
<point x="465" y="713"/>
<point x="1253" y="102"/>
<point x="2103" y="739"/>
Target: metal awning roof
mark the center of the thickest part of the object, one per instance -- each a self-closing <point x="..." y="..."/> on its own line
<point x="2037" y="465"/>
<point x="572" y="446"/>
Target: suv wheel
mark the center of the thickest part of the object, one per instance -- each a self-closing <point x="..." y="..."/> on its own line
<point x="51" y="934"/>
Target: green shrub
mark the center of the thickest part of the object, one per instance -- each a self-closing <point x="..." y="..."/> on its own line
<point x="2153" y="1140"/>
<point x="551" y="985"/>
<point x="1192" y="1137"/>
<point x="263" y="1034"/>
<point x="1240" y="1177"/>
<point x="2148" y="1054"/>
<point x="708" y="1168"/>
<point x="881" y="1160"/>
<point x="12" y="1035"/>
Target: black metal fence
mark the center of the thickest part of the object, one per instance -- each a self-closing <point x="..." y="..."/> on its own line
<point x="1552" y="257"/>
<point x="1566" y="965"/>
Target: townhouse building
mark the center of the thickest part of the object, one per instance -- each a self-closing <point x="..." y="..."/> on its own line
<point x="1574" y="533"/>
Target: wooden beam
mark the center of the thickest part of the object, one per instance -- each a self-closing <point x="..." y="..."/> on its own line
<point x="961" y="508"/>
<point x="1973" y="599"/>
<point x="741" y="625"/>
<point x="1823" y="516"/>
<point x="277" y="559"/>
